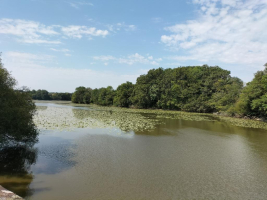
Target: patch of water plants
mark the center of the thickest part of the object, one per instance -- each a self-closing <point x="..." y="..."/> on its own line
<point x="248" y="123"/>
<point x="123" y="118"/>
<point x="69" y="119"/>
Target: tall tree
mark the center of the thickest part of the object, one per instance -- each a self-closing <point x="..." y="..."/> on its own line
<point x="253" y="99"/>
<point x="123" y="94"/>
<point x="16" y="111"/>
<point x="78" y="95"/>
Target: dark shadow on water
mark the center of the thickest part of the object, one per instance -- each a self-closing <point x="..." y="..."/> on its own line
<point x="15" y="163"/>
<point x="54" y="155"/>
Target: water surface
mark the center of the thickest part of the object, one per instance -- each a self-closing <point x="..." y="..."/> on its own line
<point x="176" y="159"/>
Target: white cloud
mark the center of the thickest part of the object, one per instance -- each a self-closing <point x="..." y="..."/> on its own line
<point x="31" y="70"/>
<point x="26" y="59"/>
<point x="131" y="59"/>
<point x="65" y="51"/>
<point x="77" y="5"/>
<point x="28" y="31"/>
<point x="60" y="50"/>
<point x="104" y="58"/>
<point x="79" y="31"/>
<point x="228" y="31"/>
<point x="36" y="33"/>
<point x="38" y="41"/>
<point x="121" y="26"/>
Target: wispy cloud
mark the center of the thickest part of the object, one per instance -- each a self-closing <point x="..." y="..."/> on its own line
<point x="32" y="70"/>
<point x="156" y="20"/>
<point x="65" y="51"/>
<point x="229" y="31"/>
<point x="79" y="4"/>
<point x="79" y="31"/>
<point x="27" y="59"/>
<point x="104" y="58"/>
<point x="131" y="59"/>
<point x="60" y="50"/>
<point x="28" y="31"/>
<point x="36" y="33"/>
<point x="121" y="26"/>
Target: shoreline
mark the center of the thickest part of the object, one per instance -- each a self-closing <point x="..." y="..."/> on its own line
<point x="219" y="114"/>
<point x="8" y="195"/>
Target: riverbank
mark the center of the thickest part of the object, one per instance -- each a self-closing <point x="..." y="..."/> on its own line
<point x="225" y="114"/>
<point x="8" y="195"/>
<point x="221" y="114"/>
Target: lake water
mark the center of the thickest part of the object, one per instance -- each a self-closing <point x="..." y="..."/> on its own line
<point x="178" y="159"/>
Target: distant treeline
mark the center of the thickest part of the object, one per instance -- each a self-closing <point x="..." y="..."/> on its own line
<point x="203" y="89"/>
<point x="45" y="95"/>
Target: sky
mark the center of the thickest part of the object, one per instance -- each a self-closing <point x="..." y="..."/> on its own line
<point x="60" y="45"/>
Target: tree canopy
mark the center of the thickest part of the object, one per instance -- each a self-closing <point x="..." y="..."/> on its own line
<point x="253" y="99"/>
<point x="16" y="111"/>
<point x="123" y="94"/>
<point x="193" y="88"/>
<point x="45" y="95"/>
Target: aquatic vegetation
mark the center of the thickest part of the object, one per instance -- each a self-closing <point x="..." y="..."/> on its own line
<point x="248" y="123"/>
<point x="41" y="107"/>
<point x="69" y="119"/>
<point x="93" y="116"/>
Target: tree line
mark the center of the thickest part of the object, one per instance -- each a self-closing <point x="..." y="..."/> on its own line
<point x="203" y="89"/>
<point x="45" y="95"/>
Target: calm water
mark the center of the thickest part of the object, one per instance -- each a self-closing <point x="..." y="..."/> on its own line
<point x="178" y="160"/>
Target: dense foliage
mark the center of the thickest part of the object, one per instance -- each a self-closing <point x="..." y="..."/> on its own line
<point x="102" y="96"/>
<point x="253" y="99"/>
<point x="123" y="94"/>
<point x="45" y="95"/>
<point x="203" y="89"/>
<point x="16" y="111"/>
<point x="194" y="89"/>
<point x="82" y="95"/>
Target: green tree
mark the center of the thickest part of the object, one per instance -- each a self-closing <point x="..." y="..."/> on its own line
<point x="16" y="111"/>
<point x="190" y="89"/>
<point x="123" y="94"/>
<point x="87" y="96"/>
<point x="147" y="90"/>
<point x="106" y="96"/>
<point x="94" y="96"/>
<point x="253" y="99"/>
<point x="227" y="94"/>
<point x="78" y="95"/>
<point x="40" y="95"/>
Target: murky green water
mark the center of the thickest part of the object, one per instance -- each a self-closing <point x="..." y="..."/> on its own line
<point x="173" y="158"/>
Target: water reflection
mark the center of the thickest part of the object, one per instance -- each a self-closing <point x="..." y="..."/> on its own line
<point x="62" y="106"/>
<point x="54" y="153"/>
<point x="15" y="163"/>
<point x="178" y="159"/>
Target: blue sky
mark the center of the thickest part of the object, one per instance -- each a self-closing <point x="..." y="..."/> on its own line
<point x="63" y="44"/>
